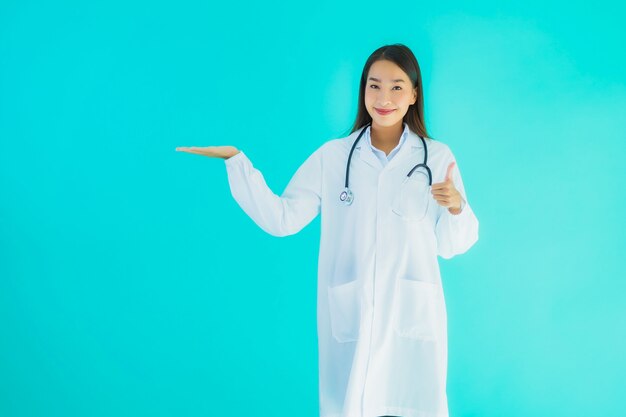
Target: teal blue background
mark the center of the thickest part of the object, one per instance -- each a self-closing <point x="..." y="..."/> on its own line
<point x="131" y="283"/>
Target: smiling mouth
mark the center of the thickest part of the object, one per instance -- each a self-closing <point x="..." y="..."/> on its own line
<point x="384" y="112"/>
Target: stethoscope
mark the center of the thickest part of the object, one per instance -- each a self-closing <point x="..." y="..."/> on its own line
<point x="347" y="196"/>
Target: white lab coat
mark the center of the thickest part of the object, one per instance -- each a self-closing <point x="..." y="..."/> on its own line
<point x="382" y="324"/>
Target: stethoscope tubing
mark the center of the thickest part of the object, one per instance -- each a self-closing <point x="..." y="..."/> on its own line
<point x="347" y="196"/>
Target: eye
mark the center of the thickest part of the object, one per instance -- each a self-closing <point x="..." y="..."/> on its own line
<point x="375" y="86"/>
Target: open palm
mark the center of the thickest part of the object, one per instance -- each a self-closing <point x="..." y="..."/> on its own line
<point x="224" y="152"/>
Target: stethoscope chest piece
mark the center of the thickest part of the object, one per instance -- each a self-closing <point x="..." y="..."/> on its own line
<point x="346" y="196"/>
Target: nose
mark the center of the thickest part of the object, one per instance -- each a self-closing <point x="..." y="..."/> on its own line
<point x="383" y="97"/>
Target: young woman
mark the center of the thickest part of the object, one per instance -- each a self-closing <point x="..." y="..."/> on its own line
<point x="391" y="200"/>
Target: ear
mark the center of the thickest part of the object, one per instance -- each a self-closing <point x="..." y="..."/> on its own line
<point x="414" y="95"/>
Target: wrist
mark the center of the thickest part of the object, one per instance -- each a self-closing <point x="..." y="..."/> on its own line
<point x="457" y="210"/>
<point x="231" y="155"/>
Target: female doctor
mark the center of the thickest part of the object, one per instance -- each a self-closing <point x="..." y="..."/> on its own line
<point x="391" y="200"/>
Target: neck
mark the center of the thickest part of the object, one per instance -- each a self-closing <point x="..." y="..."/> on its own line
<point x="386" y="137"/>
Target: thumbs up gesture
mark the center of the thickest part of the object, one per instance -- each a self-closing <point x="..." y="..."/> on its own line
<point x="446" y="194"/>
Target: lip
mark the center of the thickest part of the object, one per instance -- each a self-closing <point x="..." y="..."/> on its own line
<point x="384" y="112"/>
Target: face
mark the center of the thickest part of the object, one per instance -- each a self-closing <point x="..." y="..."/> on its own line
<point x="388" y="87"/>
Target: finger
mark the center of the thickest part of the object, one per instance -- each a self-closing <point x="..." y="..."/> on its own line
<point x="440" y="190"/>
<point x="189" y="150"/>
<point x="449" y="173"/>
<point x="439" y="185"/>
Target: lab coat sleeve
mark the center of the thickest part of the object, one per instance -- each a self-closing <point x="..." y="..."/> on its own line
<point x="455" y="233"/>
<point x="277" y="215"/>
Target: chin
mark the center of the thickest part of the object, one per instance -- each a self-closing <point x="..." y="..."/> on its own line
<point x="381" y="121"/>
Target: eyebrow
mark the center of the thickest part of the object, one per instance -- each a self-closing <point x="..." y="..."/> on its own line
<point x="377" y="80"/>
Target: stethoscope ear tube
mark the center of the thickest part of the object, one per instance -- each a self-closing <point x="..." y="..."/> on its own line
<point x="430" y="175"/>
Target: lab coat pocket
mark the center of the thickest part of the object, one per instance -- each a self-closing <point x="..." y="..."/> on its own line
<point x="413" y="198"/>
<point x="344" y="302"/>
<point x="415" y="309"/>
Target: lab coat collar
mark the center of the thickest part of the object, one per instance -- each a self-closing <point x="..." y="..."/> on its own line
<point x="364" y="152"/>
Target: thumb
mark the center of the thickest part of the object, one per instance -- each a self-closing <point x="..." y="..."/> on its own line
<point x="449" y="173"/>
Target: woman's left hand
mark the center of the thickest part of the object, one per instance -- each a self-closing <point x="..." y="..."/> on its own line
<point x="446" y="194"/>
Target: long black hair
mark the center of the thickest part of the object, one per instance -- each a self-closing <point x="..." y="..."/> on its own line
<point x="404" y="58"/>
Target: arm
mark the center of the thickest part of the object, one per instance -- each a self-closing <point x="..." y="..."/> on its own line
<point x="277" y="215"/>
<point x="456" y="233"/>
